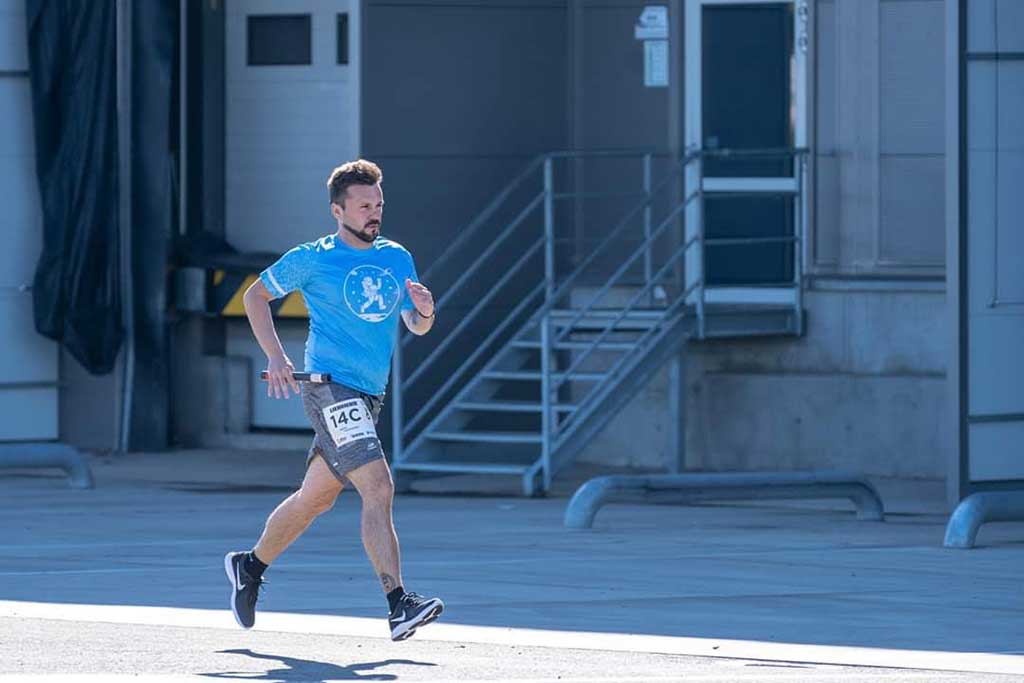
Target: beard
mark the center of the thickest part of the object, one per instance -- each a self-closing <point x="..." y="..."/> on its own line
<point x="365" y="235"/>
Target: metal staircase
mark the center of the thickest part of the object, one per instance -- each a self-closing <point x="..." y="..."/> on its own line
<point x="542" y="381"/>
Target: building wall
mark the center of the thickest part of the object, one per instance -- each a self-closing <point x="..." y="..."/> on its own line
<point x="29" y="401"/>
<point x="864" y="389"/>
<point x="456" y="99"/>
<point x="879" y="146"/>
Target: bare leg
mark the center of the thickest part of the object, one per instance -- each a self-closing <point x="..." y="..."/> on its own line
<point x="319" y="490"/>
<point x="373" y="481"/>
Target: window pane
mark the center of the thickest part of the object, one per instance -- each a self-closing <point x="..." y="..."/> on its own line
<point x="343" y="38"/>
<point x="280" y="40"/>
<point x="747" y="53"/>
<point x="749" y="264"/>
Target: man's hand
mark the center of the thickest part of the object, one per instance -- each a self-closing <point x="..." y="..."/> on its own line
<point x="279" y="377"/>
<point x="421" y="297"/>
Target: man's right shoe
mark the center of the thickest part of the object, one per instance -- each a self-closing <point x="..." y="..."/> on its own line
<point x="244" y="589"/>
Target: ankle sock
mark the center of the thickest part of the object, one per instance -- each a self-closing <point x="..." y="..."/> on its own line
<point x="253" y="566"/>
<point x="394" y="596"/>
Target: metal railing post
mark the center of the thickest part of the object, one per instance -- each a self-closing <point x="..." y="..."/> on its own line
<point x="647" y="225"/>
<point x="703" y="277"/>
<point x="547" y="424"/>
<point x="798" y="243"/>
<point x="396" y="402"/>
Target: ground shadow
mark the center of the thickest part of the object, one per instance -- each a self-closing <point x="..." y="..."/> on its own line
<point x="310" y="670"/>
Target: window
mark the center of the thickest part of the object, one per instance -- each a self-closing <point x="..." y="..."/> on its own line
<point x="343" y="38"/>
<point x="280" y="40"/>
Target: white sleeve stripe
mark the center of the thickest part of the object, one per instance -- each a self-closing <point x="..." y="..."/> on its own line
<point x="274" y="282"/>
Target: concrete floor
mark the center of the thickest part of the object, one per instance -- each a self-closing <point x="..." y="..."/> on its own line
<point x="127" y="579"/>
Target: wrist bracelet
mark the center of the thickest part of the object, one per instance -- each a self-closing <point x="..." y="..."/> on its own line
<point x="426" y="317"/>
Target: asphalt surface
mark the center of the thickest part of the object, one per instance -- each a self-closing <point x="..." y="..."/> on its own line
<point x="126" y="581"/>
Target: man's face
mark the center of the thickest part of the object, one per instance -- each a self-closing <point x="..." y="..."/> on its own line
<point x="360" y="211"/>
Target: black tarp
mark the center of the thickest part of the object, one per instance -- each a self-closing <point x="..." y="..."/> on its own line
<point x="76" y="289"/>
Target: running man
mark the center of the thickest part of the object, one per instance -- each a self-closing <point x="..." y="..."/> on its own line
<point x="355" y="347"/>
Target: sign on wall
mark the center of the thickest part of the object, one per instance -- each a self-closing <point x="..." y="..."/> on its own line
<point x="652" y="29"/>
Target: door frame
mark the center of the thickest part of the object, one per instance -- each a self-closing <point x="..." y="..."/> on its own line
<point x="693" y="139"/>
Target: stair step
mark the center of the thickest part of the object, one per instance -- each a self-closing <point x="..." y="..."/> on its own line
<point x="486" y="437"/>
<point x="599" y="319"/>
<point x="575" y="345"/>
<point x="527" y="375"/>
<point x="512" y="406"/>
<point x="606" y="313"/>
<point x="466" y="467"/>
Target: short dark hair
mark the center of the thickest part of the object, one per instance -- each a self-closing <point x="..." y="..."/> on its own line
<point x="358" y="172"/>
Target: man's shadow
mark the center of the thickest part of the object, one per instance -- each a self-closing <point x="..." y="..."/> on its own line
<point x="309" y="670"/>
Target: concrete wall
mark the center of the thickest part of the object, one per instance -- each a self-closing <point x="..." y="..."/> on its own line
<point x="862" y="391"/>
<point x="90" y="405"/>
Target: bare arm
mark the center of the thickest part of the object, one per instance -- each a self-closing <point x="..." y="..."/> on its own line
<point x="421" y="318"/>
<point x="257" y="308"/>
<point x="416" y="323"/>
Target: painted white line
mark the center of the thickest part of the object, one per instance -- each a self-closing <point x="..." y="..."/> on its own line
<point x="725" y="677"/>
<point x="17" y="547"/>
<point x="98" y="678"/>
<point x="361" y="627"/>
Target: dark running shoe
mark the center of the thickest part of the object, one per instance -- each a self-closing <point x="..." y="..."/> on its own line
<point x="411" y="612"/>
<point x="244" y="589"/>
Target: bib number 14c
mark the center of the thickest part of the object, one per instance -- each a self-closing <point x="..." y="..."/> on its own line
<point x="349" y="421"/>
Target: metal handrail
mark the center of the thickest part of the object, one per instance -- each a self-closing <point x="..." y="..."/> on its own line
<point x="555" y="291"/>
<point x="479" y="306"/>
<point x="644" y="248"/>
<point x="455" y="376"/>
<point x="549" y="422"/>
<point x="621" y="270"/>
<point x="400" y="429"/>
<point x="626" y="359"/>
<point x="567" y="284"/>
<point x="482" y="217"/>
<point x="628" y="308"/>
<point x="482" y="258"/>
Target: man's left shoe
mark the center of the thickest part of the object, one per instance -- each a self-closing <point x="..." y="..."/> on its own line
<point x="411" y="612"/>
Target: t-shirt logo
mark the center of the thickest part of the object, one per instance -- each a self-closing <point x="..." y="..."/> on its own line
<point x="371" y="293"/>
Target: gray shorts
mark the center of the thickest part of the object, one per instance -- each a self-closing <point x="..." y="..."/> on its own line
<point x="344" y="425"/>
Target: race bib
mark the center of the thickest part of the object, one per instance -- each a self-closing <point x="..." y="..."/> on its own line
<point x="349" y="421"/>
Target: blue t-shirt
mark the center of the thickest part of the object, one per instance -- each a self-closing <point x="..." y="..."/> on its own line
<point x="354" y="298"/>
